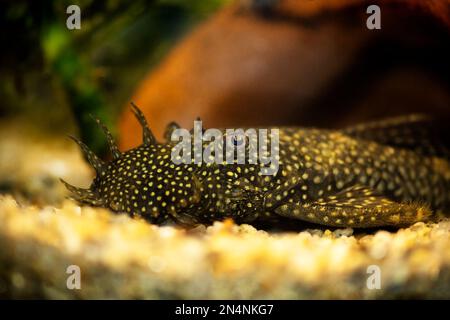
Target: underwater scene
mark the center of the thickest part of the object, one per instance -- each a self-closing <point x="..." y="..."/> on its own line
<point x="225" y="149"/>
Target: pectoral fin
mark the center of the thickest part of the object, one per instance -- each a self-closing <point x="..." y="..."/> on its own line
<point x="358" y="207"/>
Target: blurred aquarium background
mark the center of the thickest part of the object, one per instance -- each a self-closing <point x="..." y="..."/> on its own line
<point x="52" y="75"/>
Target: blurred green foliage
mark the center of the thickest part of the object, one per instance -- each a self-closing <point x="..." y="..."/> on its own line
<point x="94" y="68"/>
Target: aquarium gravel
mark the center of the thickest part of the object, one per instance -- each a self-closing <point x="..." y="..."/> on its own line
<point x="122" y="257"/>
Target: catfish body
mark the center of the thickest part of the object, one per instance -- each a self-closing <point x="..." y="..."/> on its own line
<point x="388" y="173"/>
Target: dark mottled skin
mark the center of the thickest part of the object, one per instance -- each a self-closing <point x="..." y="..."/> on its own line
<point x="389" y="173"/>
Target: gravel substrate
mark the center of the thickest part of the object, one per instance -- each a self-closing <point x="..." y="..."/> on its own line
<point x="121" y="257"/>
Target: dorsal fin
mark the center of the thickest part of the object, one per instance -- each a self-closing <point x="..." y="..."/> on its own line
<point x="148" y="137"/>
<point x="109" y="138"/>
<point x="416" y="132"/>
<point x="98" y="164"/>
